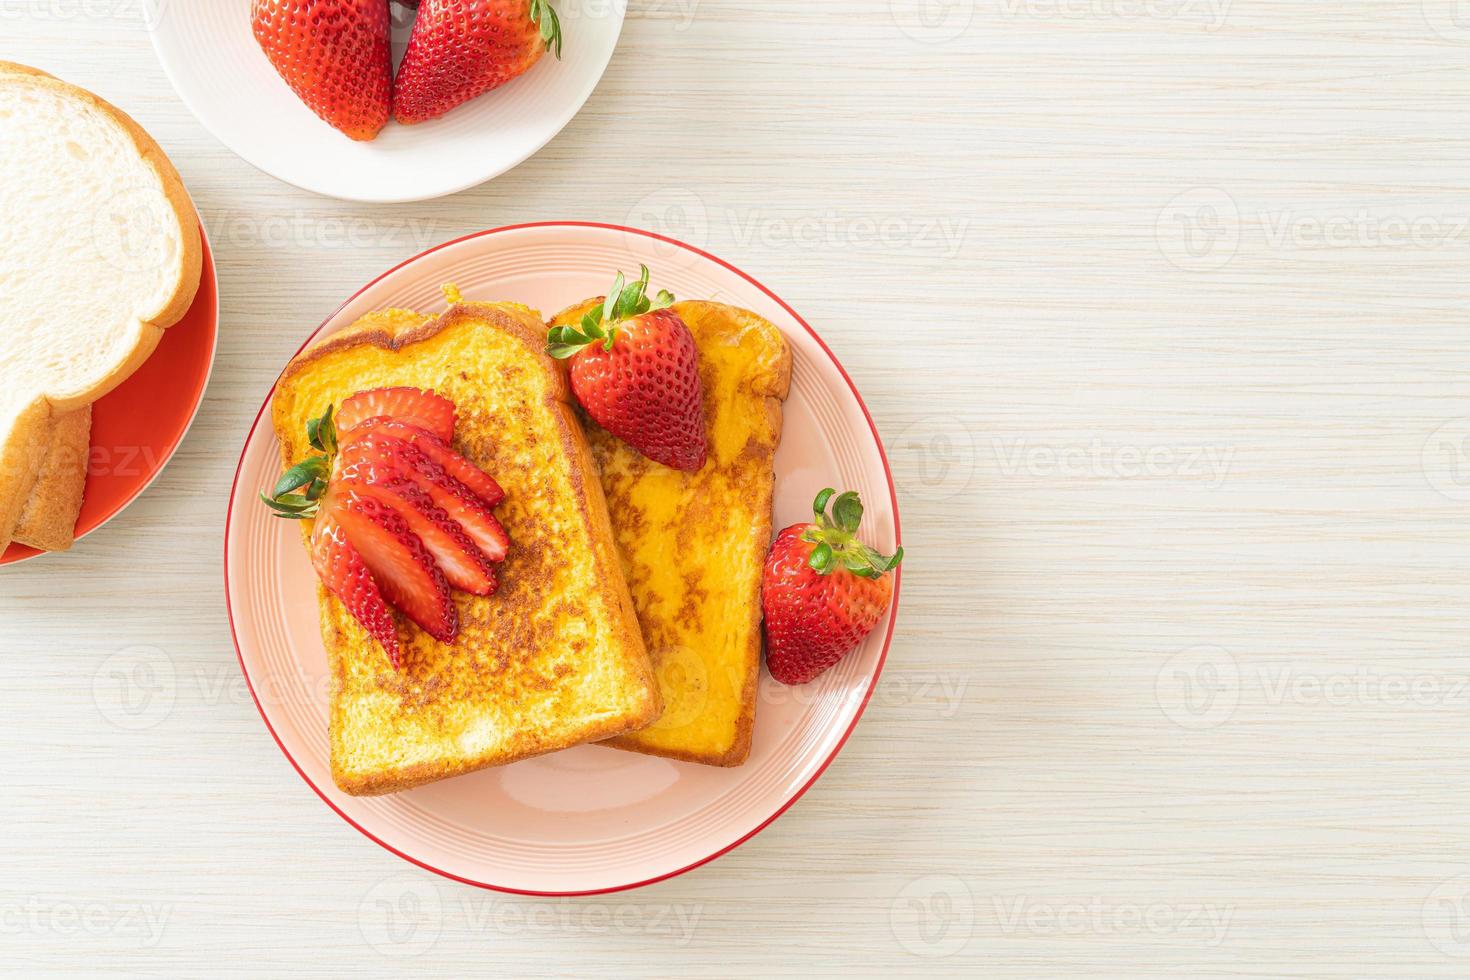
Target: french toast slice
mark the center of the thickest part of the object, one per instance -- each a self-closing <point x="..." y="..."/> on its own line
<point x="555" y="657"/>
<point x="693" y="544"/>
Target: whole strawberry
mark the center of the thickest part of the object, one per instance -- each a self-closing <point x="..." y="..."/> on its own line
<point x="635" y="369"/>
<point x="461" y="49"/>
<point x="822" y="590"/>
<point x="334" y="55"/>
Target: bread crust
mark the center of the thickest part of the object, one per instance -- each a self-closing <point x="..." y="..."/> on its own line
<point x="394" y="330"/>
<point x="49" y="518"/>
<point x="21" y="453"/>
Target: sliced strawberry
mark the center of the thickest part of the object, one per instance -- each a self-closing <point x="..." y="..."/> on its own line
<point x="399" y="514"/>
<point x="463" y="563"/>
<point x="346" y="576"/>
<point x="401" y="565"/>
<point x="431" y="412"/>
<point x="376" y="457"/>
<point x="481" y="525"/>
<point x="483" y="485"/>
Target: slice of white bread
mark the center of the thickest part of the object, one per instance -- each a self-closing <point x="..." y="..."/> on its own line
<point x="99" y="254"/>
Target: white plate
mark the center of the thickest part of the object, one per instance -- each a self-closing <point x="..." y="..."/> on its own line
<point x="209" y="53"/>
<point x="588" y="819"/>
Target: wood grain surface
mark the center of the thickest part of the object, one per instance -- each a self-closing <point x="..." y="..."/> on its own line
<point x="1160" y="306"/>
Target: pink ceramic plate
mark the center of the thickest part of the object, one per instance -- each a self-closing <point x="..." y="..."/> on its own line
<point x="589" y="819"/>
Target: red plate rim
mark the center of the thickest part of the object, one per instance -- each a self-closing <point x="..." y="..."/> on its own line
<point x="867" y="694"/>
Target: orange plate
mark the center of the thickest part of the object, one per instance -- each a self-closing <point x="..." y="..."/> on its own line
<point x="139" y="424"/>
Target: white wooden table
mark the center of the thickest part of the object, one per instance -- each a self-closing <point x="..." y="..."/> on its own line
<point x="1161" y="308"/>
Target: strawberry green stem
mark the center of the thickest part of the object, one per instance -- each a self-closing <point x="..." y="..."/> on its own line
<point x="836" y="540"/>
<point x="600" y="324"/>
<point x="543" y="15"/>
<point x="309" y="476"/>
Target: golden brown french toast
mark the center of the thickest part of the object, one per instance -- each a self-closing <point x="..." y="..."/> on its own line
<point x="693" y="544"/>
<point x="553" y="658"/>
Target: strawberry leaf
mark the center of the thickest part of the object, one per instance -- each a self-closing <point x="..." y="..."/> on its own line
<point x="329" y="436"/>
<point x="322" y="432"/>
<point x="624" y="301"/>
<point x="821" y="558"/>
<point x="310" y="476"/>
<point x="836" y="540"/>
<point x="568" y="335"/>
<point x="819" y="506"/>
<point x="543" y="15"/>
<point x="293" y="506"/>
<point x="878" y="562"/>
<point x="634" y="301"/>
<point x="592" y="324"/>
<point x="614" y="300"/>
<point x="563" y="342"/>
<point x="847" y="511"/>
<point x="630" y="299"/>
<point x="298" y="476"/>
